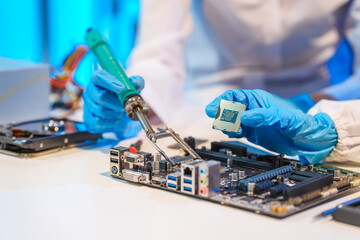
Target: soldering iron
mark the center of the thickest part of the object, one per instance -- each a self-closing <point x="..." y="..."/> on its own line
<point x="134" y="104"/>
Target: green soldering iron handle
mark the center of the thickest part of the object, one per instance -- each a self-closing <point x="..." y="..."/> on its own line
<point x="108" y="61"/>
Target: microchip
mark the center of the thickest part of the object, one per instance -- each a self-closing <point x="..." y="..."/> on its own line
<point x="246" y="200"/>
<point x="228" y="116"/>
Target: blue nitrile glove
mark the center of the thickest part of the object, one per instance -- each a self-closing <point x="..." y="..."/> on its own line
<point x="303" y="102"/>
<point x="280" y="129"/>
<point x="103" y="111"/>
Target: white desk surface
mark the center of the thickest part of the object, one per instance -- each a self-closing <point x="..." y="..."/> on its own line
<point x="69" y="195"/>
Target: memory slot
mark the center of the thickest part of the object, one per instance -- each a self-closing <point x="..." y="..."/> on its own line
<point x="309" y="174"/>
<point x="237" y="161"/>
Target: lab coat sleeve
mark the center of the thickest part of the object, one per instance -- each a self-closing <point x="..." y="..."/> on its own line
<point x="350" y="89"/>
<point x="159" y="55"/>
<point x="346" y="116"/>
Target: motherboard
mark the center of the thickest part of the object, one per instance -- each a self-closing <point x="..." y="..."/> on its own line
<point x="229" y="174"/>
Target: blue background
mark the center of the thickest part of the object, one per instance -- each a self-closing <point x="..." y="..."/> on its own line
<point x="47" y="31"/>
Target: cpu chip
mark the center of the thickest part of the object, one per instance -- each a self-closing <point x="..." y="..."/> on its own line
<point x="228" y="117"/>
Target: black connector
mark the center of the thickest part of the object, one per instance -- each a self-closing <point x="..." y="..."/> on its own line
<point x="307" y="186"/>
<point x="238" y="150"/>
<point x="187" y="172"/>
<point x="114" y="153"/>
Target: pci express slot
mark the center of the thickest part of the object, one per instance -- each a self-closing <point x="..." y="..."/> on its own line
<point x="263" y="185"/>
<point x="285" y="171"/>
<point x="309" y="174"/>
<point x="237" y="161"/>
<point x="310" y="185"/>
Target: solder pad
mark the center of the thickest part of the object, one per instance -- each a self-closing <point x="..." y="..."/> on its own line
<point x="228" y="117"/>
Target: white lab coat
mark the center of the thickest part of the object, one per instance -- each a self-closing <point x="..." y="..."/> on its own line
<point x="281" y="46"/>
<point x="346" y="116"/>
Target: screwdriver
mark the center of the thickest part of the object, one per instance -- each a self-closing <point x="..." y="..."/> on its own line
<point x="134" y="104"/>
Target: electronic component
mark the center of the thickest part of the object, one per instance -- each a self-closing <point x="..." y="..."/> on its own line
<point x="116" y="165"/>
<point x="234" y="178"/>
<point x="232" y="175"/>
<point x="314" y="182"/>
<point x="122" y="159"/>
<point x="174" y="180"/>
<point x="165" y="166"/>
<point x="156" y="163"/>
<point x="28" y="139"/>
<point x="251" y="188"/>
<point x="54" y="126"/>
<point x="242" y="174"/>
<point x="135" y="176"/>
<point x="190" y="176"/>
<point x="228" y="117"/>
<point x="160" y="181"/>
<point x="286" y="170"/>
<point x="337" y="174"/>
<point x="138" y="158"/>
<point x="238" y="150"/>
<point x="209" y="177"/>
<point x="179" y="160"/>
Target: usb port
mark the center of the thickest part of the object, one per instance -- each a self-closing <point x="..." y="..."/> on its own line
<point x="155" y="182"/>
<point x="114" y="153"/>
<point x="171" y="185"/>
<point x="171" y="178"/>
<point x="188" y="189"/>
<point x="114" y="160"/>
<point x="187" y="181"/>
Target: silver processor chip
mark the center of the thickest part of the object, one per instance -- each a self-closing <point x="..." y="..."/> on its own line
<point x="228" y="117"/>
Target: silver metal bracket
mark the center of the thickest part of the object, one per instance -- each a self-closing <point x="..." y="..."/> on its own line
<point x="168" y="132"/>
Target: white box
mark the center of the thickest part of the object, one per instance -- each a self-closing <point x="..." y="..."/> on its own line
<point x="24" y="90"/>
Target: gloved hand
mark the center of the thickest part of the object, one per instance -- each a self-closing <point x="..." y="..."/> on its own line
<point x="103" y="111"/>
<point x="302" y="101"/>
<point x="278" y="128"/>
